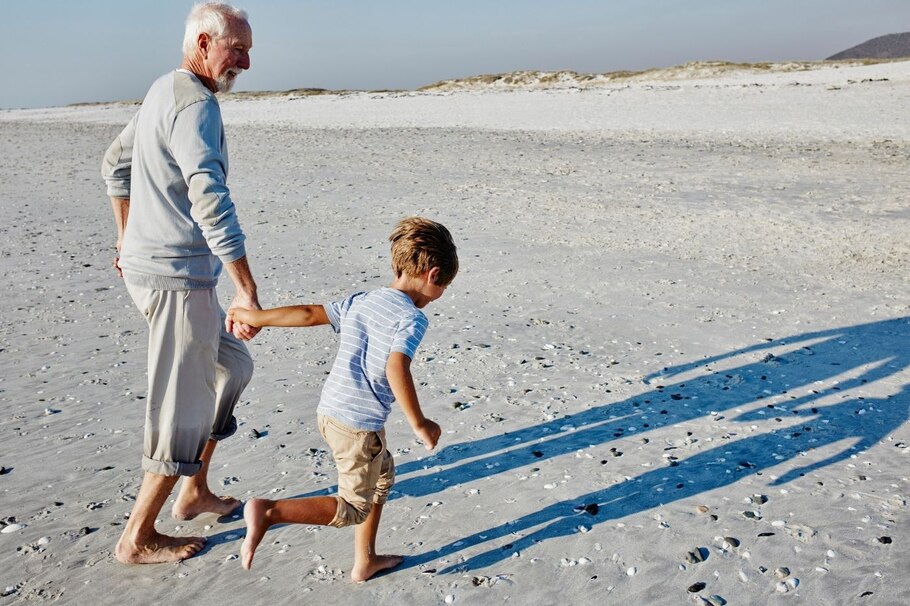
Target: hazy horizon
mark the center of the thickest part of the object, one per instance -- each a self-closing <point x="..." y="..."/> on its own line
<point x="56" y="52"/>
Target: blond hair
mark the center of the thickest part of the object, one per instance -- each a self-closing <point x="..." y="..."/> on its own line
<point x="419" y="245"/>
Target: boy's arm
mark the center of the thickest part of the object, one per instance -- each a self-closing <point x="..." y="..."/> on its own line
<point x="292" y="316"/>
<point x="398" y="372"/>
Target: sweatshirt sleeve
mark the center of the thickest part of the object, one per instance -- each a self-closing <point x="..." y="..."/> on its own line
<point x="116" y="167"/>
<point x="196" y="143"/>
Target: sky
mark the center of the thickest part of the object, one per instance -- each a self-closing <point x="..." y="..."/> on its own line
<point x="57" y="52"/>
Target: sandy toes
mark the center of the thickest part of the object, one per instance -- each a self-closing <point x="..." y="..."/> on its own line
<point x="187" y="509"/>
<point x="359" y="574"/>
<point x="160" y="549"/>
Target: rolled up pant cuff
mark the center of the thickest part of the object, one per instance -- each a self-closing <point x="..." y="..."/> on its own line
<point x="225" y="432"/>
<point x="170" y="468"/>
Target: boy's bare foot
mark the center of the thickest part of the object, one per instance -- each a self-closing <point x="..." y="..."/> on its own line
<point x="378" y="563"/>
<point x="158" y="549"/>
<point x="188" y="507"/>
<point x="256" y="525"/>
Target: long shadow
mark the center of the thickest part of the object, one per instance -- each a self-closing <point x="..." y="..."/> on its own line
<point x="821" y="364"/>
<point x="700" y="473"/>
<point x="806" y="367"/>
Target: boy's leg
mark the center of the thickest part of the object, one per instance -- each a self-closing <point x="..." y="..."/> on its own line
<point x="260" y="514"/>
<point x="233" y="372"/>
<point x="366" y="561"/>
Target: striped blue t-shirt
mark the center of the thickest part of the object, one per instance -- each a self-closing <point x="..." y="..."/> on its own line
<point x="372" y="326"/>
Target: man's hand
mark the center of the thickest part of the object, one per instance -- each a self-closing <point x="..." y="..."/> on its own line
<point x="246" y="298"/>
<point x="428" y="432"/>
<point x="121" y="207"/>
<point x="117" y="258"/>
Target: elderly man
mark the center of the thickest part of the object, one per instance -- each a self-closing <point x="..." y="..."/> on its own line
<point x="177" y="227"/>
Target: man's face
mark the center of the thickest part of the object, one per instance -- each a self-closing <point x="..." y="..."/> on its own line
<point x="229" y="55"/>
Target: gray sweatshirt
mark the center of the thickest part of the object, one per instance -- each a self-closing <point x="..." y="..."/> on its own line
<point x="171" y="162"/>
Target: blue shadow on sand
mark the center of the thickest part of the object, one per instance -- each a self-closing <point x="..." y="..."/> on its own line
<point x="808" y="367"/>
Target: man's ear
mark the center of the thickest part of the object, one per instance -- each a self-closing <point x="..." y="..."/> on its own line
<point x="202" y="43"/>
<point x="433" y="276"/>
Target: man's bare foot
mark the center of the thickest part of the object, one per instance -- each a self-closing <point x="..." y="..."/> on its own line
<point x="254" y="514"/>
<point x="362" y="572"/>
<point x="189" y="505"/>
<point x="158" y="549"/>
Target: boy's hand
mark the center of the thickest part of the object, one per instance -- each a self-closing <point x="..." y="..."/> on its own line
<point x="428" y="432"/>
<point x="239" y="316"/>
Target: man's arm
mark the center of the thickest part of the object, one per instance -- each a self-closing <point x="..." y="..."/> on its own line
<point x="292" y="316"/>
<point x="245" y="296"/>
<point x="398" y="372"/>
<point x="121" y="207"/>
<point x="116" y="170"/>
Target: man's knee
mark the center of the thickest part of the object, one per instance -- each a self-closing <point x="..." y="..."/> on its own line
<point x="350" y="514"/>
<point x="237" y="372"/>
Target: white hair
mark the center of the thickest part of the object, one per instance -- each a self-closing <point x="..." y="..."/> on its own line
<point x="210" y="18"/>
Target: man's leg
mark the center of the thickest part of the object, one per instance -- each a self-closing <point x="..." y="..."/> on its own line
<point x="233" y="373"/>
<point x="195" y="496"/>
<point x="140" y="543"/>
<point x="174" y="433"/>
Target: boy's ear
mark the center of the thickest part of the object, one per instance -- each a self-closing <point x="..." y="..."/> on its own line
<point x="433" y="276"/>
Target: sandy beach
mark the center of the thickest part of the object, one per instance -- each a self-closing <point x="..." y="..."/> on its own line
<point x="674" y="367"/>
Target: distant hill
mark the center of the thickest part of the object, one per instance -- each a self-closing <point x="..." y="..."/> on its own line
<point x="892" y="46"/>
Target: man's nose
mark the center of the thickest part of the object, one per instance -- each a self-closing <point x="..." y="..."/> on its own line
<point x="244" y="62"/>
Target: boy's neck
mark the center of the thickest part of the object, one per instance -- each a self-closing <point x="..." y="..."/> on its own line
<point x="409" y="285"/>
<point x="416" y="288"/>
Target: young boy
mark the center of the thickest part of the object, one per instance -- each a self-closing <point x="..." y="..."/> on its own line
<point x="380" y="331"/>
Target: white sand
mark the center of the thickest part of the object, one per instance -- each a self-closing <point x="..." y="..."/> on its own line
<point x="675" y="293"/>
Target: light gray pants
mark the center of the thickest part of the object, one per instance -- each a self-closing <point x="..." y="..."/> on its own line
<point x="196" y="373"/>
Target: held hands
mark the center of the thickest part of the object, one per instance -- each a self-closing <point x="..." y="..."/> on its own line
<point x="428" y="432"/>
<point x="234" y="322"/>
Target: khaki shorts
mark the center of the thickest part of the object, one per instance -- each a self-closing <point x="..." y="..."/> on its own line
<point x="366" y="469"/>
<point x="196" y="373"/>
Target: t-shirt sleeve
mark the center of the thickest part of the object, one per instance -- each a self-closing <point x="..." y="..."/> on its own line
<point x="409" y="335"/>
<point x="337" y="310"/>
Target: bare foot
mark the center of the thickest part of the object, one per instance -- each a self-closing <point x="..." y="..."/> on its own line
<point x="190" y="505"/>
<point x="158" y="549"/>
<point x="256" y="525"/>
<point x="361" y="573"/>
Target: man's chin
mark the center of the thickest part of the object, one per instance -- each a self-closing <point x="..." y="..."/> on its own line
<point x="226" y="83"/>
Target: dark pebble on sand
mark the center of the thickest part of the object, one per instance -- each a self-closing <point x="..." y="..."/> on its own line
<point x="699" y="554"/>
<point x="884" y="540"/>
<point x="696" y="587"/>
<point x="5" y="470"/>
<point x="537" y="453"/>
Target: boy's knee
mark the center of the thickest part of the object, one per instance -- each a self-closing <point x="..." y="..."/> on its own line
<point x="350" y="514"/>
